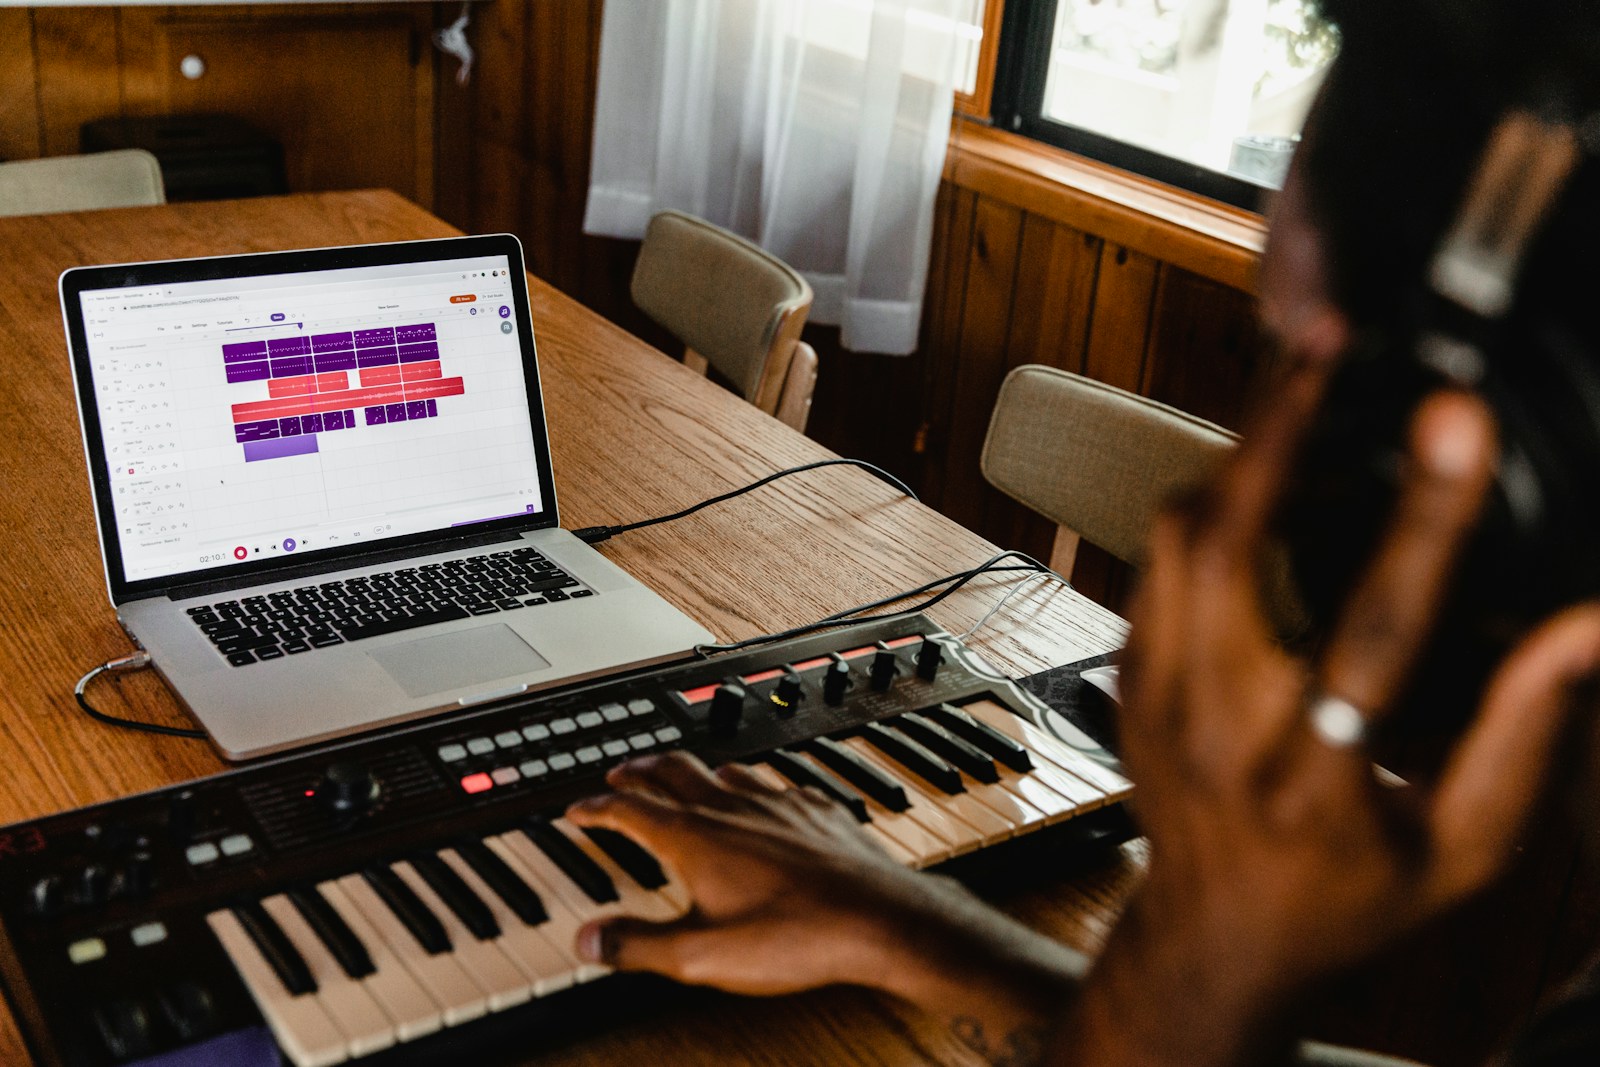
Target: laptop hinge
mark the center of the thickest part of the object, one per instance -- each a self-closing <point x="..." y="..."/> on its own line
<point x="366" y="559"/>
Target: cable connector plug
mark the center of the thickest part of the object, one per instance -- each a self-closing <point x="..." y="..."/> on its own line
<point x="134" y="661"/>
<point x="593" y="535"/>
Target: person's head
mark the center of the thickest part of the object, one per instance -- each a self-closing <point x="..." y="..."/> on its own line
<point x="1395" y="137"/>
<point x="1410" y="102"/>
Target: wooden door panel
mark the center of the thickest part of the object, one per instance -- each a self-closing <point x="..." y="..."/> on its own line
<point x="342" y="95"/>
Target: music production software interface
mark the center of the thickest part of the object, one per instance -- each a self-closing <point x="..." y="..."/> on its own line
<point x="253" y="418"/>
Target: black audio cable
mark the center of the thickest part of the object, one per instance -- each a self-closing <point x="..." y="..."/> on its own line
<point x="595" y="534"/>
<point x="850" y="616"/>
<point x="134" y="662"/>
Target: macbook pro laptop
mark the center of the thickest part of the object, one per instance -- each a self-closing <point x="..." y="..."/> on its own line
<point x="323" y="490"/>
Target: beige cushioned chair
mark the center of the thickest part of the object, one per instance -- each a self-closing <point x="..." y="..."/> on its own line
<point x="126" y="178"/>
<point x="1102" y="462"/>
<point x="735" y="306"/>
<point x="1094" y="458"/>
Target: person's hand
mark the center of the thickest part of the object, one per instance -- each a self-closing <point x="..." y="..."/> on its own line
<point x="1278" y="856"/>
<point x="790" y="894"/>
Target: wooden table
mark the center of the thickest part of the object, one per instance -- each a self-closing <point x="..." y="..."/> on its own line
<point x="634" y="434"/>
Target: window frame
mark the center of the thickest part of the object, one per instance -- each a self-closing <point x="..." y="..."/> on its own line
<point x="1021" y="68"/>
<point x="977" y="103"/>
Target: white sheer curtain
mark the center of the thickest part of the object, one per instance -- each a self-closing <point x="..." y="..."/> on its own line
<point x="815" y="127"/>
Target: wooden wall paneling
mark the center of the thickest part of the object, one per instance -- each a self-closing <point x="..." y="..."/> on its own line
<point x="349" y="88"/>
<point x="454" y="133"/>
<point x="19" y="86"/>
<point x="984" y="359"/>
<point x="76" y="52"/>
<point x="1204" y="347"/>
<point x="1123" y="299"/>
<point x="142" y="58"/>
<point x="499" y="172"/>
<point x="499" y="191"/>
<point x="1054" y="294"/>
<point x="944" y="355"/>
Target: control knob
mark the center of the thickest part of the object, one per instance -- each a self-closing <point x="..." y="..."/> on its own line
<point x="787" y="694"/>
<point x="884" y="668"/>
<point x="929" y="656"/>
<point x="347" y="789"/>
<point x="46" y="896"/>
<point x="836" y="682"/>
<point x="727" y="709"/>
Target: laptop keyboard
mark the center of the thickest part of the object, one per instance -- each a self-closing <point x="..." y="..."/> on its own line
<point x="257" y="628"/>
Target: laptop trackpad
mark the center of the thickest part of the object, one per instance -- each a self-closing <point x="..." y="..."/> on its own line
<point x="455" y="661"/>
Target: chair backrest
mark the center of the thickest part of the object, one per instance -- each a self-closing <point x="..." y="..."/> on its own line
<point x="730" y="301"/>
<point x="126" y="178"/>
<point x="1095" y="458"/>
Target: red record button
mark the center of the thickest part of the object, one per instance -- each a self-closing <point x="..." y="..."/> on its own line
<point x="477" y="783"/>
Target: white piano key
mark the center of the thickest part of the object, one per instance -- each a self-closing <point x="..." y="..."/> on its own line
<point x="458" y="995"/>
<point x="1108" y="781"/>
<point x="982" y="824"/>
<point x="366" y="1026"/>
<point x="633" y="898"/>
<point x="962" y="836"/>
<point x="501" y="979"/>
<point x="1038" y="794"/>
<point x="392" y="985"/>
<point x="884" y="839"/>
<point x="562" y="929"/>
<point x="927" y="846"/>
<point x="546" y="966"/>
<point x="301" y="1026"/>
<point x="1011" y="807"/>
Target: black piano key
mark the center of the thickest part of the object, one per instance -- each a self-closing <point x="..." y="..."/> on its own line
<point x="276" y="948"/>
<point x="519" y="896"/>
<point x="457" y="895"/>
<point x="913" y="757"/>
<point x="983" y="735"/>
<point x="804" y="773"/>
<point x="948" y="746"/>
<point x="865" y="777"/>
<point x="565" y="853"/>
<point x="409" y="909"/>
<point x="333" y="931"/>
<point x="629" y="855"/>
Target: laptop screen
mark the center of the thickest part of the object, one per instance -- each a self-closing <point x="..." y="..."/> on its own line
<point x="254" y="418"/>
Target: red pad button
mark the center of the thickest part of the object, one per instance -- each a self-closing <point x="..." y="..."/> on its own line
<point x="696" y="696"/>
<point x="477" y="783"/>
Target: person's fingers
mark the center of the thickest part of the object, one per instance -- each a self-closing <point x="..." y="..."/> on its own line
<point x="740" y="778"/>
<point x="635" y="945"/>
<point x="736" y="957"/>
<point x="1245" y="495"/>
<point x="1387" y="618"/>
<point x="1497" y="772"/>
<point x="676" y="775"/>
<point x="654" y="822"/>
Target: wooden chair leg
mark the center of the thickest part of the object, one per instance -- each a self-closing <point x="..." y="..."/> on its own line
<point x="794" y="402"/>
<point x="695" y="361"/>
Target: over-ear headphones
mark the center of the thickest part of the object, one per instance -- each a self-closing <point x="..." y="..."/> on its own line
<point x="1537" y="547"/>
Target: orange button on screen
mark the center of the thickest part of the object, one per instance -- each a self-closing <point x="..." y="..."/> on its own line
<point x="464" y="298"/>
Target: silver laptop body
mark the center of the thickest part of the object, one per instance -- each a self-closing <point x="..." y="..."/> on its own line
<point x="267" y="428"/>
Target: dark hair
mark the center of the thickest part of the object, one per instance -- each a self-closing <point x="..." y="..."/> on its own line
<point x="1411" y="100"/>
<point x="1396" y="135"/>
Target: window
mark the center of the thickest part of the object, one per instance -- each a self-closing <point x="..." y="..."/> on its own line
<point x="1209" y="95"/>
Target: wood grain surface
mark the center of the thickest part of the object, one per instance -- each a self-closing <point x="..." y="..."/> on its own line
<point x="634" y="434"/>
